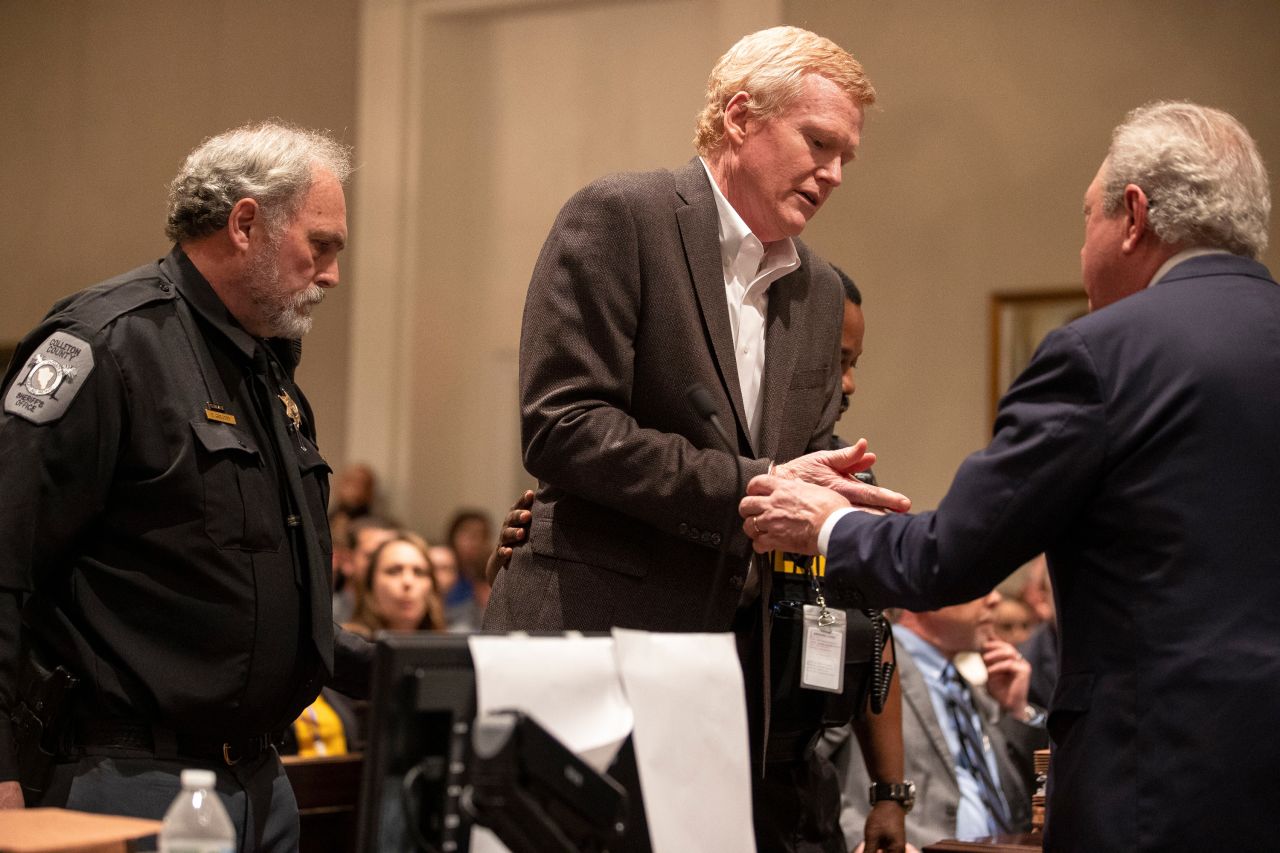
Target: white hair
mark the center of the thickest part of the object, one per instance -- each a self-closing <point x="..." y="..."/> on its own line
<point x="270" y="162"/>
<point x="1201" y="171"/>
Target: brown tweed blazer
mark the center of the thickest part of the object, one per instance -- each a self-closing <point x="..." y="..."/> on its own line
<point x="625" y="311"/>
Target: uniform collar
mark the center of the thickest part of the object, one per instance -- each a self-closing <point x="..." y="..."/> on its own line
<point x="200" y="295"/>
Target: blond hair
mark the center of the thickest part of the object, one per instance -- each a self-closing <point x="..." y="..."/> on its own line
<point x="770" y="66"/>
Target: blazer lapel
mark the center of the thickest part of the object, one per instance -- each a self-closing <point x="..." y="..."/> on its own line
<point x="915" y="695"/>
<point x="781" y="348"/>
<point x="699" y="223"/>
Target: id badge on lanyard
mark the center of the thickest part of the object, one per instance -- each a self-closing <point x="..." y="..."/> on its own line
<point x="822" y="656"/>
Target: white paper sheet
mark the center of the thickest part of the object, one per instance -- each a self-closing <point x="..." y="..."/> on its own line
<point x="570" y="685"/>
<point x="690" y="737"/>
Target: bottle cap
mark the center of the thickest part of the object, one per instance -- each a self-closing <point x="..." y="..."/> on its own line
<point x="198" y="778"/>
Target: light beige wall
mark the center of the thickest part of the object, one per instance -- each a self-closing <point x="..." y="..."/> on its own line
<point x="486" y="116"/>
<point x="993" y="118"/>
<point x="102" y="100"/>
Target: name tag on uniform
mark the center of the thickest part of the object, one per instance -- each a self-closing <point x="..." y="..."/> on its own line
<point x="214" y="412"/>
<point x="822" y="658"/>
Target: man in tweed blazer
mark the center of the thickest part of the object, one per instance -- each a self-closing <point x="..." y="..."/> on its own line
<point x="651" y="283"/>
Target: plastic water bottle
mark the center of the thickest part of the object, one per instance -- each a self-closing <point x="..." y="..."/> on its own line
<point x="197" y="822"/>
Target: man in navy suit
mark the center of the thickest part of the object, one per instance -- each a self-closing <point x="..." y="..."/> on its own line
<point x="1138" y="450"/>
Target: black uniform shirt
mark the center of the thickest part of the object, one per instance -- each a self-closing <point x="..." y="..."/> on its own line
<point x="147" y="520"/>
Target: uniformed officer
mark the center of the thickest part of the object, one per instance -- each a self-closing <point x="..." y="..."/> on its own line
<point x="162" y="504"/>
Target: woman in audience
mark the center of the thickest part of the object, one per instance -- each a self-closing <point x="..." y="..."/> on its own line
<point x="400" y="592"/>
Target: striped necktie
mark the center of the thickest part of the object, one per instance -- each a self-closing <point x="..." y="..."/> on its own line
<point x="972" y="748"/>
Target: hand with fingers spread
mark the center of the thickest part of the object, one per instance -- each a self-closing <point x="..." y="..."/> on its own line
<point x="834" y="469"/>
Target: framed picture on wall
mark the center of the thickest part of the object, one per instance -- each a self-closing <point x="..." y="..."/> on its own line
<point x="1019" y="321"/>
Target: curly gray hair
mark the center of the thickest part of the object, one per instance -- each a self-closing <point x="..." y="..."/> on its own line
<point x="1201" y="171"/>
<point x="270" y="162"/>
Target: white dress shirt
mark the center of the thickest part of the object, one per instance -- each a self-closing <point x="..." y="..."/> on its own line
<point x="749" y="268"/>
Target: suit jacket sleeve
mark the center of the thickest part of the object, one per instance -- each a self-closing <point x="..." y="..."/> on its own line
<point x="1007" y="503"/>
<point x="580" y="320"/>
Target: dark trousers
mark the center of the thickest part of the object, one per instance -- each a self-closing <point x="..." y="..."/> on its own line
<point x="255" y="793"/>
<point x="796" y="807"/>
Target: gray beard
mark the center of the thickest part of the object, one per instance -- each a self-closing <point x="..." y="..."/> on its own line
<point x="283" y="315"/>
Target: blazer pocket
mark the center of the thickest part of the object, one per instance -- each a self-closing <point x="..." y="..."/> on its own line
<point x="594" y="547"/>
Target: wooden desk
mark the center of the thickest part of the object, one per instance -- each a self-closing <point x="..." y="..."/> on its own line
<point x="1027" y="842"/>
<point x="328" y="794"/>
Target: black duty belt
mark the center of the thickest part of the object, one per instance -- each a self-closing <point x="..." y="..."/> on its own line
<point x="791" y="746"/>
<point x="94" y="736"/>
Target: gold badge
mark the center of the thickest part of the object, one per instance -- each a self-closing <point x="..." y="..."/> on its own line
<point x="291" y="409"/>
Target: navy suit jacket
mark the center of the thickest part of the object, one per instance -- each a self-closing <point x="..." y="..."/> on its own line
<point x="1139" y="450"/>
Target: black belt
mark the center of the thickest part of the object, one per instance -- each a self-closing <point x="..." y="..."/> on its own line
<point x="785" y="747"/>
<point x="165" y="743"/>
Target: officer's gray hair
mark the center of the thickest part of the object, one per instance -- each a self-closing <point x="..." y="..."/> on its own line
<point x="1201" y="171"/>
<point x="270" y="162"/>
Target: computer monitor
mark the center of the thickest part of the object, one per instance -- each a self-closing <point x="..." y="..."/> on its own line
<point x="419" y="757"/>
<point x="419" y="742"/>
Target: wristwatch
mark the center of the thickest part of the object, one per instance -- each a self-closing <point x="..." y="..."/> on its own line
<point x="903" y="793"/>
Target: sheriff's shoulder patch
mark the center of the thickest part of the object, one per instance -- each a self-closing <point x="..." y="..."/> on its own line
<point x="45" y="385"/>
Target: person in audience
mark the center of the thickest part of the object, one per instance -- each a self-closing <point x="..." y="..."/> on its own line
<point x="355" y="491"/>
<point x="353" y="497"/>
<point x="1014" y="621"/>
<point x="400" y="592"/>
<point x="968" y="750"/>
<point x="1037" y="591"/>
<point x="460" y="616"/>
<point x="328" y="726"/>
<point x="1041" y="651"/>
<point x="364" y="535"/>
<point x="470" y="535"/>
<point x="1135" y="450"/>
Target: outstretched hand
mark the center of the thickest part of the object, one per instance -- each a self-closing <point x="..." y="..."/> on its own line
<point x="834" y="469"/>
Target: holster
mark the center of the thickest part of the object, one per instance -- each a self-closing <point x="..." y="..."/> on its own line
<point x="41" y="723"/>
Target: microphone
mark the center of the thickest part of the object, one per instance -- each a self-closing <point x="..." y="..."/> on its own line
<point x="705" y="407"/>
